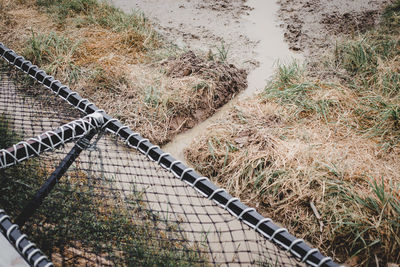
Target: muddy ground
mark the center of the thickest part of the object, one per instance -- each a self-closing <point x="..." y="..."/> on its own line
<point x="309" y="26"/>
<point x="201" y="25"/>
<point x="312" y="26"/>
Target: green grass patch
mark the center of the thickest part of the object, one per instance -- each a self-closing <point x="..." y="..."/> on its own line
<point x="102" y="13"/>
<point x="391" y="16"/>
<point x="67" y="8"/>
<point x="368" y="223"/>
<point x="372" y="62"/>
<point x="56" y="53"/>
<point x="291" y="89"/>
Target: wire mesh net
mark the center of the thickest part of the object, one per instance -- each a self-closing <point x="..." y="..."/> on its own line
<point x="114" y="206"/>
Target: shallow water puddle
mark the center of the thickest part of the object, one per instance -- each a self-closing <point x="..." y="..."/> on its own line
<point x="262" y="26"/>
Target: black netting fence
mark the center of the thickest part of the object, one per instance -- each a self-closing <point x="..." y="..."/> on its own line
<point x="121" y="200"/>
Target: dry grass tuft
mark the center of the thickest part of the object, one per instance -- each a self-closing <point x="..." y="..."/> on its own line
<point x="334" y="146"/>
<point x="164" y="104"/>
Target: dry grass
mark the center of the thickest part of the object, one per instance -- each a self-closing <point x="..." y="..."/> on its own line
<point x="115" y="60"/>
<point x="265" y="156"/>
<point x="333" y="145"/>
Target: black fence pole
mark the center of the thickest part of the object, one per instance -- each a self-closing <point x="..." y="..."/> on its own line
<point x="46" y="188"/>
<point x="26" y="248"/>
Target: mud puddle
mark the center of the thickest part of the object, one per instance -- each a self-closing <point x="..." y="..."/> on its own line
<point x="247" y="30"/>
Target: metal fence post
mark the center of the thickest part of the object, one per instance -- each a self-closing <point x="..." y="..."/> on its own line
<point x="46" y="188"/>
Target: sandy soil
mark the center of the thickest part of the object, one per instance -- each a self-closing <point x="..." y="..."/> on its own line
<point x="311" y="26"/>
